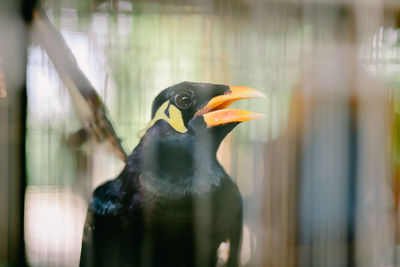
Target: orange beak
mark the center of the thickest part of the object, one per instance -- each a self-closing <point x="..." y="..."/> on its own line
<point x="214" y="113"/>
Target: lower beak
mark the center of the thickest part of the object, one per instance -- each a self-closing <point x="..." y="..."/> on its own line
<point x="215" y="112"/>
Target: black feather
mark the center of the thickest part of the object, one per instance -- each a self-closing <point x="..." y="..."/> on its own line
<point x="173" y="203"/>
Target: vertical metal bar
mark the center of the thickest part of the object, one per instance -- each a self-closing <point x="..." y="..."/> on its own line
<point x="14" y="17"/>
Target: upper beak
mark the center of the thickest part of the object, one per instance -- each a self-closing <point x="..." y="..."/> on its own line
<point x="214" y="113"/>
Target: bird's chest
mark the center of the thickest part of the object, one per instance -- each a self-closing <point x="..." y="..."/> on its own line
<point x="169" y="215"/>
<point x="172" y="231"/>
<point x="179" y="231"/>
<point x="181" y="219"/>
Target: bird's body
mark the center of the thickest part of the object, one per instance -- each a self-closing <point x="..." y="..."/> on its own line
<point x="173" y="204"/>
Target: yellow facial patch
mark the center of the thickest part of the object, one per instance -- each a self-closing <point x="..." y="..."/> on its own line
<point x="175" y="118"/>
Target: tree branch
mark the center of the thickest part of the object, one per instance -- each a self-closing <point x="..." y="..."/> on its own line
<point x="88" y="103"/>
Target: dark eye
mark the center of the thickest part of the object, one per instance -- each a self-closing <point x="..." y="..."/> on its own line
<point x="183" y="100"/>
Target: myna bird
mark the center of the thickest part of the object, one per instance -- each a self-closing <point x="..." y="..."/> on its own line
<point x="173" y="204"/>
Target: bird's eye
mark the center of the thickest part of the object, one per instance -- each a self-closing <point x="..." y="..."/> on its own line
<point x="183" y="100"/>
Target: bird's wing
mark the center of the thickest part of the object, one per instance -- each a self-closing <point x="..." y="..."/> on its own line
<point x="103" y="226"/>
<point x="236" y="234"/>
<point x="229" y="202"/>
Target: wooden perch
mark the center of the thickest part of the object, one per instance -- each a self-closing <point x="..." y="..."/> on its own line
<point x="89" y="104"/>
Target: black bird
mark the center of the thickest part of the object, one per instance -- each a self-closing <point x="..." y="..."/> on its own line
<point x="173" y="204"/>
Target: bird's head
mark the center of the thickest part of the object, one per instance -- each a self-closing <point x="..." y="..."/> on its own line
<point x="198" y="109"/>
<point x="188" y="122"/>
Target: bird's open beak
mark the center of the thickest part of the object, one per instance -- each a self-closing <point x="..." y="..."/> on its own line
<point x="215" y="112"/>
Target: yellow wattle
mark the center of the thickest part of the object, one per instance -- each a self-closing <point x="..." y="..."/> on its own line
<point x="175" y="118"/>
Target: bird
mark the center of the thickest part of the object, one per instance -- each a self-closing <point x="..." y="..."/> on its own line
<point x="173" y="204"/>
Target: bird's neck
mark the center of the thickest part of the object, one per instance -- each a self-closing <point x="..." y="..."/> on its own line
<point x="176" y="157"/>
<point x="176" y="167"/>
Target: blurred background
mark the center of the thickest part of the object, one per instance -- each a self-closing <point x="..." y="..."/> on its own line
<point x="320" y="175"/>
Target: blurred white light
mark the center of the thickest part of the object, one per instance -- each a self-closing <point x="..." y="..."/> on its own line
<point x="54" y="221"/>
